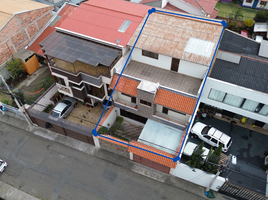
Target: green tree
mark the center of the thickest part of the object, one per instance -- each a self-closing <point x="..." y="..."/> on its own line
<point x="196" y="158"/>
<point x="213" y="160"/>
<point x="16" y="67"/>
<point x="236" y="14"/>
<point x="261" y="14"/>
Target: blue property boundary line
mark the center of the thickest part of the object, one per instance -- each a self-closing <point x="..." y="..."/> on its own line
<point x="94" y="131"/>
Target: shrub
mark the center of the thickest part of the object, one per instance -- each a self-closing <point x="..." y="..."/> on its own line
<point x="214" y="158"/>
<point x="15" y="67"/>
<point x="248" y="23"/>
<point x="236" y="14"/>
<point x="48" y="108"/>
<point x="196" y="158"/>
<point x="261" y="14"/>
<point x="231" y="25"/>
<point x="119" y="120"/>
<point x="103" y="130"/>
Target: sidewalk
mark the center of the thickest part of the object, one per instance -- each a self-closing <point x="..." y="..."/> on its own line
<point x="10" y="192"/>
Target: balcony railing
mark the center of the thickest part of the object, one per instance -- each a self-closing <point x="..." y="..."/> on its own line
<point x="64" y="89"/>
<point x="125" y="103"/>
<point x="170" y="119"/>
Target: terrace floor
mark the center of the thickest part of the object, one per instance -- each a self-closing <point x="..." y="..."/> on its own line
<point x="166" y="78"/>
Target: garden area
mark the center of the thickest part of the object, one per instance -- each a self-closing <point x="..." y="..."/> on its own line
<point x="25" y="92"/>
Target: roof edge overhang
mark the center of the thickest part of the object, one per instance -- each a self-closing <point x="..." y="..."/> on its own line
<point x="88" y="38"/>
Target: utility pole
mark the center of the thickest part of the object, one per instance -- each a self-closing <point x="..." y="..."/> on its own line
<point x="18" y="104"/>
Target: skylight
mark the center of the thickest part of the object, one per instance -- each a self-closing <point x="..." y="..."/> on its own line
<point x="124" y="26"/>
<point x="199" y="47"/>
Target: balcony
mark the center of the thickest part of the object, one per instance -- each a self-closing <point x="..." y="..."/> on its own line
<point x="64" y="90"/>
<point x="170" y="119"/>
<point x="126" y="103"/>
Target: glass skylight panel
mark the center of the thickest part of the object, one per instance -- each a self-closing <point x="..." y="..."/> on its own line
<point x="199" y="47"/>
<point x="124" y="26"/>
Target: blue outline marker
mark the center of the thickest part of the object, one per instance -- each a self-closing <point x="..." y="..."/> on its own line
<point x="94" y="131"/>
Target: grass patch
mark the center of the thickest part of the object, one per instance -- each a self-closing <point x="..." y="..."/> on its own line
<point x="226" y="9"/>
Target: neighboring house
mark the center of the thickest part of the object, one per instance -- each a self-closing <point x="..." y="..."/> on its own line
<point x="20" y="21"/>
<point x="205" y="8"/>
<point x="82" y="54"/>
<point x="162" y="81"/>
<point x="237" y="84"/>
<point x="255" y="4"/>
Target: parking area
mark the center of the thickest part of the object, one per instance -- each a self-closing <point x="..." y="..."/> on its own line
<point x="249" y="147"/>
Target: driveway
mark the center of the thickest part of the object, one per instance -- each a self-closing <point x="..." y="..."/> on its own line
<point x="248" y="146"/>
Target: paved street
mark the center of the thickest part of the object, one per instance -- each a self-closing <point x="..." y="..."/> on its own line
<point x="49" y="170"/>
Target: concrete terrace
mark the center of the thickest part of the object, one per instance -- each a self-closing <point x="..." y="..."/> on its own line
<point x="166" y="78"/>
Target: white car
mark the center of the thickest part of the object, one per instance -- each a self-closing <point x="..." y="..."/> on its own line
<point x="3" y="166"/>
<point x="211" y="135"/>
<point x="258" y="38"/>
<point x="191" y="147"/>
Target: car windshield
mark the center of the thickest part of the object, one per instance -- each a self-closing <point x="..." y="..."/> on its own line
<point x="205" y="130"/>
<point x="55" y="114"/>
<point x="67" y="102"/>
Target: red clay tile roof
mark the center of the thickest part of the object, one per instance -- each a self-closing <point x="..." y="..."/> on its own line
<point x="175" y="101"/>
<point x="105" y="117"/>
<point x="102" y="19"/>
<point x="156" y="158"/>
<point x="171" y="7"/>
<point x="125" y="85"/>
<point x="64" y="13"/>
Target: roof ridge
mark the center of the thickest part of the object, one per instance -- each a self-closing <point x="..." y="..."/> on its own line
<point x="244" y="56"/>
<point x="115" y="9"/>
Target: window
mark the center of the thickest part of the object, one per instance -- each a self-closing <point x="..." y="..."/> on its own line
<point x="264" y="110"/>
<point x="248" y="1"/>
<point x="150" y="54"/>
<point x="216" y="95"/>
<point x="207" y="137"/>
<point x="214" y="140"/>
<point x="250" y="105"/>
<point x="263" y="3"/>
<point x="145" y="103"/>
<point x="133" y="100"/>
<point x="233" y="100"/>
<point x="165" y="110"/>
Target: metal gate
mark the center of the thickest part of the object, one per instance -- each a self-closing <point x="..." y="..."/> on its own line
<point x="240" y="193"/>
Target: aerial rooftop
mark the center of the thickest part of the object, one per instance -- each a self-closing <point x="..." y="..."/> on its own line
<point x="179" y="37"/>
<point x="112" y="21"/>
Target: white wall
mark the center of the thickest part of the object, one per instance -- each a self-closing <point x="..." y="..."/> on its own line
<point x="123" y="97"/>
<point x="45" y="100"/>
<point x="111" y="118"/>
<point x="186" y="7"/>
<point x="120" y="64"/>
<point x="164" y="3"/>
<point x="181" y="117"/>
<point x="261" y="6"/>
<point x="192" y="69"/>
<point x="248" y="4"/>
<point x="197" y="176"/>
<point x="238" y="91"/>
<point x="163" y="62"/>
<point x="159" y="108"/>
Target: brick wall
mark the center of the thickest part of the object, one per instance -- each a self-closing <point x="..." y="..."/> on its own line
<point x="20" y="29"/>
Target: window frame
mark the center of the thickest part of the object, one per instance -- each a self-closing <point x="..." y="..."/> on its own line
<point x="263" y="3"/>
<point x="145" y="103"/>
<point x="150" y="54"/>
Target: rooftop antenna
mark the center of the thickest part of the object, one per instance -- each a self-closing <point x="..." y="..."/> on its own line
<point x="117" y="41"/>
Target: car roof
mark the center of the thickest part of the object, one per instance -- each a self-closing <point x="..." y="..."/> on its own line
<point x="59" y="107"/>
<point x="222" y="137"/>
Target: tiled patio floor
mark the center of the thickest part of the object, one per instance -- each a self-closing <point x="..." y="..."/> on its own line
<point x="131" y="131"/>
<point x="86" y="115"/>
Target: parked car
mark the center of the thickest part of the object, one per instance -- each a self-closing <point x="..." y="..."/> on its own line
<point x="191" y="147"/>
<point x="3" y="166"/>
<point x="211" y="135"/>
<point x="63" y="109"/>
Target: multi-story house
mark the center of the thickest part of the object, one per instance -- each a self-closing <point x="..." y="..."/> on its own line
<point x="84" y="49"/>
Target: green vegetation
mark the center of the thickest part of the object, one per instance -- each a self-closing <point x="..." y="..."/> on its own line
<point x="196" y="158"/>
<point x="236" y="14"/>
<point x="226" y="9"/>
<point x="249" y="23"/>
<point x="103" y="130"/>
<point x="261" y="14"/>
<point x="15" y="67"/>
<point x="48" y="108"/>
<point x="213" y="160"/>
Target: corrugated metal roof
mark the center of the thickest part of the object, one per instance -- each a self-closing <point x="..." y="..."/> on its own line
<point x="169" y="34"/>
<point x="102" y="19"/>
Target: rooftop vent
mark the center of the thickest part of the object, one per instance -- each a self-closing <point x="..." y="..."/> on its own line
<point x="199" y="47"/>
<point x="124" y="26"/>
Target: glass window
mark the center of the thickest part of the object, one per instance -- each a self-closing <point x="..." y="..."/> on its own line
<point x="216" y="95"/>
<point x="207" y="137"/>
<point x="248" y="1"/>
<point x="150" y="54"/>
<point x="214" y="140"/>
<point x="263" y="3"/>
<point x="233" y="100"/>
<point x="145" y="103"/>
<point x="250" y="105"/>
<point x="264" y="110"/>
<point x="165" y="110"/>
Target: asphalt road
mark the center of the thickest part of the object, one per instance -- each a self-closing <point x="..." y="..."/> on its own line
<point x="49" y="170"/>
